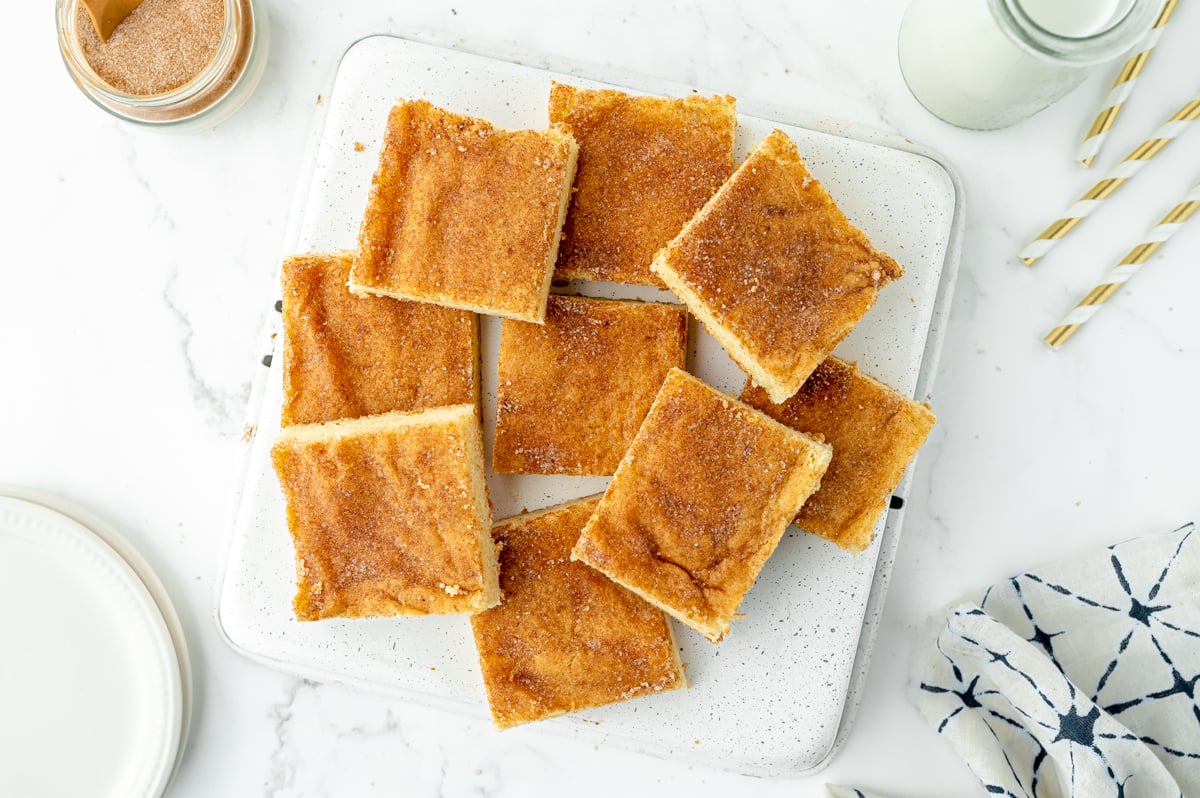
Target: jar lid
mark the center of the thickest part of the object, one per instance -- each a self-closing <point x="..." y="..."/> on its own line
<point x="1025" y="22"/>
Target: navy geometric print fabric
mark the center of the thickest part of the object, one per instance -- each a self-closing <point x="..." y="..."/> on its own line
<point x="1078" y="679"/>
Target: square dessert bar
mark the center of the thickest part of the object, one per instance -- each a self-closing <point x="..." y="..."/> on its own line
<point x="875" y="433"/>
<point x="572" y="392"/>
<point x="464" y="214"/>
<point x="700" y="502"/>
<point x="346" y="356"/>
<point x="774" y="269"/>
<point x="646" y="164"/>
<point x="389" y="514"/>
<point x="566" y="638"/>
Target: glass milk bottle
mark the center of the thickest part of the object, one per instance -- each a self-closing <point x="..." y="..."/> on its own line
<point x="985" y="64"/>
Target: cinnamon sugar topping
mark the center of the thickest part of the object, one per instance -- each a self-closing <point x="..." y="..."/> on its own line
<point x="160" y="46"/>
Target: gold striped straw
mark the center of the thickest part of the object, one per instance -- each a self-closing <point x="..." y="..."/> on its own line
<point x="1121" y="173"/>
<point x="1128" y="266"/>
<point x="1121" y="89"/>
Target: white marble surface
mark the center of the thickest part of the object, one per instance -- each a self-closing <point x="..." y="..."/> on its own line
<point x="133" y="288"/>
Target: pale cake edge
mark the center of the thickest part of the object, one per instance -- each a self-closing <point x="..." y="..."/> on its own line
<point x="441" y="300"/>
<point x="777" y="389"/>
<point x="489" y="554"/>
<point x="379" y="422"/>
<point x="680" y="668"/>
<point x="532" y="515"/>
<point x="714" y="629"/>
<point x="564" y="203"/>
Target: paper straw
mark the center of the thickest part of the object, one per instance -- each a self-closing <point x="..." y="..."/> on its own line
<point x="1119" y="93"/>
<point x="1120" y="174"/>
<point x="1128" y="266"/>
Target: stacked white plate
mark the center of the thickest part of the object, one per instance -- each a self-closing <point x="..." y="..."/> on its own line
<point x="95" y="683"/>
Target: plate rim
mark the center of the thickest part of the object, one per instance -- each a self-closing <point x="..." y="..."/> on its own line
<point x="150" y="578"/>
<point x="160" y="635"/>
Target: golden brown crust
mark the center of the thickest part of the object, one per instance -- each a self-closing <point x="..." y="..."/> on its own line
<point x="389" y="514"/>
<point x="875" y="433"/>
<point x="700" y="501"/>
<point x="346" y="356"/>
<point x="572" y="392"/>
<point x="566" y="638"/>
<point x="774" y="269"/>
<point x="464" y="214"/>
<point x="646" y="164"/>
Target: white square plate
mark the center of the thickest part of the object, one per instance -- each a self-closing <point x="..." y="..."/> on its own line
<point x="771" y="698"/>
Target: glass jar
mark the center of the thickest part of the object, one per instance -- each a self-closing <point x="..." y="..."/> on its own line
<point x="205" y="100"/>
<point x="985" y="64"/>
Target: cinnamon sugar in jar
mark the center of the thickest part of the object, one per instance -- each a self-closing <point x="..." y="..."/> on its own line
<point x="170" y="63"/>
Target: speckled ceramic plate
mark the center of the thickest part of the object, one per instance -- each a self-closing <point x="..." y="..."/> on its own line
<point x="777" y="695"/>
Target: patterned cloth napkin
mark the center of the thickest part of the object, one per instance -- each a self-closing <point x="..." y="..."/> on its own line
<point x="1078" y="679"/>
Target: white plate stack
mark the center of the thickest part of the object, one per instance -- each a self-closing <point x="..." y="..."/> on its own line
<point x="95" y="682"/>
